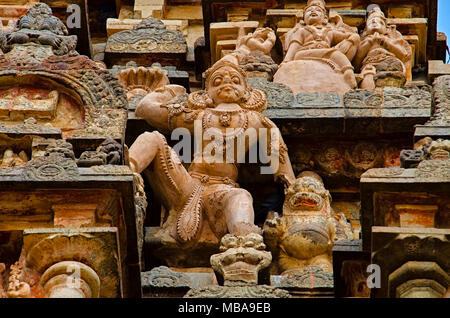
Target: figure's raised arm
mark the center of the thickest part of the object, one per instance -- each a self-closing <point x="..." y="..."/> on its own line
<point x="280" y="164"/>
<point x="151" y="108"/>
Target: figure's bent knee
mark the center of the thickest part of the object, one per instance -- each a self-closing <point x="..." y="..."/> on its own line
<point x="144" y="149"/>
<point x="243" y="197"/>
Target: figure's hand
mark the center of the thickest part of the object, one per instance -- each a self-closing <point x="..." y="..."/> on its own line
<point x="377" y="39"/>
<point x="344" y="46"/>
<point x="17" y="37"/>
<point x="51" y="39"/>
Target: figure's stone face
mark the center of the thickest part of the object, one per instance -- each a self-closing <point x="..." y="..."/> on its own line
<point x="226" y="85"/>
<point x="314" y="15"/>
<point x="307" y="194"/>
<point x="376" y="24"/>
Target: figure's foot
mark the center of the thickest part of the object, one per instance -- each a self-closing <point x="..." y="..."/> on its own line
<point x="349" y="77"/>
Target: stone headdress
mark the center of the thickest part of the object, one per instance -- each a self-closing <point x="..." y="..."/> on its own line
<point x="318" y="3"/>
<point x="253" y="99"/>
<point x="376" y="12"/>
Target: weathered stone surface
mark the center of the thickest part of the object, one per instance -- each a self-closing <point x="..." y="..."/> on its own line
<point x="96" y="248"/>
<point x="163" y="277"/>
<point x="384" y="57"/>
<point x="406" y="196"/>
<point x="259" y="291"/>
<point x="309" y="278"/>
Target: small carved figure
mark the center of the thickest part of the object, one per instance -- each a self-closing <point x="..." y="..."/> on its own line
<point x="319" y="45"/>
<point x="40" y="26"/>
<point x="204" y="203"/>
<point x="113" y="151"/>
<point x="305" y="234"/>
<point x="241" y="259"/>
<point x="253" y="52"/>
<point x="382" y="53"/>
<point x="10" y="159"/>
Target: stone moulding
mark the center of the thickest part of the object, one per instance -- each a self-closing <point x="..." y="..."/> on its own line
<point x="150" y="36"/>
<point x="438" y="125"/>
<point x="411" y="101"/>
<point x="258" y="291"/>
<point x="163" y="277"/>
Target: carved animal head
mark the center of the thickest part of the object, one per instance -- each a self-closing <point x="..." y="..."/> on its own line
<point x="307" y="193"/>
<point x="241" y="258"/>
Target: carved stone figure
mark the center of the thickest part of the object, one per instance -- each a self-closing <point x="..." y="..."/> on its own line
<point x="41" y="27"/>
<point x="383" y="55"/>
<point x="253" y="52"/>
<point x="239" y="263"/>
<point x="241" y="259"/>
<point x="10" y="159"/>
<point x="305" y="234"/>
<point x="205" y="202"/>
<point x="322" y="46"/>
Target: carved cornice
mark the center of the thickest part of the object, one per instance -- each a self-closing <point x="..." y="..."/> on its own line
<point x="150" y="36"/>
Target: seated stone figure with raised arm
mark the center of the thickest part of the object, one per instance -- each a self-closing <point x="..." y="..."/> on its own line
<point x="205" y="202"/>
<point x="319" y="51"/>
<point x="383" y="55"/>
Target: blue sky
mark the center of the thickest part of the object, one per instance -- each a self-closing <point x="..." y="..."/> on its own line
<point x="444" y="18"/>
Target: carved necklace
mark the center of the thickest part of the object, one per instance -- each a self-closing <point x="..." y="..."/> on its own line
<point x="225" y="118"/>
<point x="319" y="34"/>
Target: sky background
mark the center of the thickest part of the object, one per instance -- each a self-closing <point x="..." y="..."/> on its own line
<point x="444" y="18"/>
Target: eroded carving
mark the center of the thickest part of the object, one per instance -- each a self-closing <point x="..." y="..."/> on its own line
<point x="162" y="277"/>
<point x="149" y="36"/>
<point x="41" y="27"/>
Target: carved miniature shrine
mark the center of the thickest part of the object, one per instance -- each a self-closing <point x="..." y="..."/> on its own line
<point x="221" y="149"/>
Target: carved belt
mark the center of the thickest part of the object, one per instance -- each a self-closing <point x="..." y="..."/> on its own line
<point x="209" y="180"/>
<point x="188" y="223"/>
